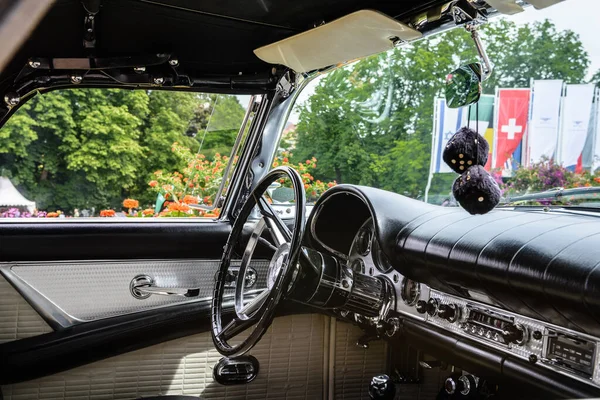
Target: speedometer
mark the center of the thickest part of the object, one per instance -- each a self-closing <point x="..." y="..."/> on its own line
<point x="410" y="291"/>
<point x="381" y="261"/>
<point x="362" y="243"/>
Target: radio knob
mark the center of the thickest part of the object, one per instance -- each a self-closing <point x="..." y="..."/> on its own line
<point x="454" y="385"/>
<point x="514" y="334"/>
<point x="432" y="307"/>
<point x="448" y="312"/>
<point x="421" y="306"/>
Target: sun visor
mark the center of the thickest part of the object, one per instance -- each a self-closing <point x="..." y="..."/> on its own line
<point x="511" y="7"/>
<point x="353" y="36"/>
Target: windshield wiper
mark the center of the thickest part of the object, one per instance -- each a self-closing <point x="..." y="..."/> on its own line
<point x="555" y="194"/>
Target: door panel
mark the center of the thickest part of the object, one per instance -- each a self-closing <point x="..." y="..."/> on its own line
<point x="18" y="320"/>
<point x="85" y="310"/>
<point x="68" y="293"/>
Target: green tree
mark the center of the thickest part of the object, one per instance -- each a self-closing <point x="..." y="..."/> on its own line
<point x="84" y="148"/>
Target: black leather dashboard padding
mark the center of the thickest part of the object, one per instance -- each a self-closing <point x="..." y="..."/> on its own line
<point x="541" y="264"/>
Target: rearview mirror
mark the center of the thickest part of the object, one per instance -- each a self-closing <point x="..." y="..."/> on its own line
<point x="463" y="86"/>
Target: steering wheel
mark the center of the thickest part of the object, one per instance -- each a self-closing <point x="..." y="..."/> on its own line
<point x="259" y="311"/>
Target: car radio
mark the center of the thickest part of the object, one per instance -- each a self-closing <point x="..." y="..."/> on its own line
<point x="493" y="326"/>
<point x="570" y="352"/>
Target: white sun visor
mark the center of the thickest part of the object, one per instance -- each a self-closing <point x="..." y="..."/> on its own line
<point x="353" y="36"/>
<point x="511" y="7"/>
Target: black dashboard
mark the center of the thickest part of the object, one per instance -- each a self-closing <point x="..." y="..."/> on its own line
<point x="521" y="287"/>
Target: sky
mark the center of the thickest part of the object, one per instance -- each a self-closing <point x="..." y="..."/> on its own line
<point x="580" y="16"/>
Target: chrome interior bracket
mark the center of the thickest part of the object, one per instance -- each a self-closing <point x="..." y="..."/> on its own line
<point x="486" y="65"/>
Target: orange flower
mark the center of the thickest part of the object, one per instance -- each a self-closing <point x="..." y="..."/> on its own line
<point x="285" y="159"/>
<point x="153" y="183"/>
<point x="588" y="184"/>
<point x="107" y="213"/>
<point x="148" y="211"/>
<point x="597" y="179"/>
<point x="131" y="203"/>
<point x="52" y="215"/>
<point x="179" y="207"/>
<point x="190" y="199"/>
<point x="330" y="184"/>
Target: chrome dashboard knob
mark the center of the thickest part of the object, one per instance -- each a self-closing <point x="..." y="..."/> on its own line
<point x="448" y="312"/>
<point x="382" y="388"/>
<point x="432" y="307"/>
<point x="421" y="306"/>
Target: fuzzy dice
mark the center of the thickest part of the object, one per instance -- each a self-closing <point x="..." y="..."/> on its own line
<point x="475" y="189"/>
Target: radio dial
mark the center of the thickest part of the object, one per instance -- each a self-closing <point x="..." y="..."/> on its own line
<point x="514" y="334"/>
<point x="432" y="307"/>
<point x="448" y="312"/>
<point x="421" y="306"/>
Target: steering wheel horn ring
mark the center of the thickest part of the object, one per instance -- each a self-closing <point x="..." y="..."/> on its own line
<point x="256" y="315"/>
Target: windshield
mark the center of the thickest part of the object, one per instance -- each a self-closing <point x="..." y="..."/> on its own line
<point x="383" y="121"/>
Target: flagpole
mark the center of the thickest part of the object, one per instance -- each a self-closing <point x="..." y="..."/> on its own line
<point x="495" y="138"/>
<point x="433" y="148"/>
<point x="595" y="129"/>
<point x="525" y="159"/>
<point x="558" y="153"/>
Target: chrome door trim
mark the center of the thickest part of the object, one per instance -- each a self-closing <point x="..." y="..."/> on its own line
<point x="58" y="315"/>
<point x="50" y="312"/>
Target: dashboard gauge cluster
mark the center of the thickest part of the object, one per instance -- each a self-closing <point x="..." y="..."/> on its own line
<point x="366" y="249"/>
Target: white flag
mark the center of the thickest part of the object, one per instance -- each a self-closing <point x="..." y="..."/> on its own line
<point x="575" y="120"/>
<point x="544" y="124"/>
<point x="448" y="121"/>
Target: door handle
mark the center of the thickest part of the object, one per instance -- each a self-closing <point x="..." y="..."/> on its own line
<point x="143" y="286"/>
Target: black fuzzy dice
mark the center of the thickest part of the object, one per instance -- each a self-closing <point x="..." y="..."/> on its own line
<point x="475" y="189"/>
<point x="466" y="148"/>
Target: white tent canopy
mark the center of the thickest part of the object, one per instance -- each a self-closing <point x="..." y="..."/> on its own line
<point x="11" y="197"/>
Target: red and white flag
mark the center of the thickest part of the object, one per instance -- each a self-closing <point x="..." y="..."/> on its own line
<point x="513" y="114"/>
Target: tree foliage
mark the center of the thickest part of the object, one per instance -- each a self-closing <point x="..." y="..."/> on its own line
<point x="370" y="123"/>
<point x="87" y="148"/>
